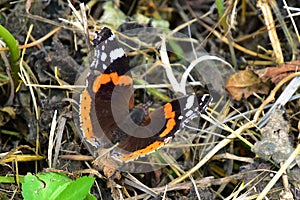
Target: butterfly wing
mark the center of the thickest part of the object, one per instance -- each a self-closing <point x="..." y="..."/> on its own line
<point x="108" y="92"/>
<point x="165" y="122"/>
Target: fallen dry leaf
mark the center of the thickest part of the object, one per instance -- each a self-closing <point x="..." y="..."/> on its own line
<point x="244" y="84"/>
<point x="276" y="74"/>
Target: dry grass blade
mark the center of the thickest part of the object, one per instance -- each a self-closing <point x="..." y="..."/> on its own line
<point x="21" y="158"/>
<point x="132" y="181"/>
<point x="234" y="44"/>
<point x="285" y="96"/>
<point x="60" y="131"/>
<point x="292" y="19"/>
<point x="25" y="77"/>
<point x="269" y="21"/>
<point x="13" y="155"/>
<point x="51" y="139"/>
<point x="285" y="29"/>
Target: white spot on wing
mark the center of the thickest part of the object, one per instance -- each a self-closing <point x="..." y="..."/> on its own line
<point x="96" y="60"/>
<point x="189" y="102"/>
<point x="204" y="97"/>
<point x="111" y="37"/>
<point x="189" y="113"/>
<point x="103" y="56"/>
<point x="117" y="53"/>
<point x="104" y="66"/>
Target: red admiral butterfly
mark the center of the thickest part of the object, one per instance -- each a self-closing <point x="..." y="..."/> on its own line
<point x="107" y="115"/>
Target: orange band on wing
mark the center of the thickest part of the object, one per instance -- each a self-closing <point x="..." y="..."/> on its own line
<point x="112" y="77"/>
<point x="85" y="109"/>
<point x="168" y="108"/>
<point x="170" y="116"/>
<point x="142" y="152"/>
<point x="169" y="113"/>
<point x="171" y="123"/>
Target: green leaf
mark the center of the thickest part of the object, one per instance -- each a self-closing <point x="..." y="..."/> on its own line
<point x="11" y="42"/>
<point x="10" y="179"/>
<point x="176" y="48"/>
<point x="56" y="186"/>
<point x="221" y="10"/>
<point x="220" y="7"/>
<point x="78" y="189"/>
<point x="112" y="16"/>
<point x="44" y="186"/>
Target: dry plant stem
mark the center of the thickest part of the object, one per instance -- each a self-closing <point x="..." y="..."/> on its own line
<point x="282" y="170"/>
<point x="85" y="25"/>
<point x="232" y="10"/>
<point x="39" y="46"/>
<point x="235" y="45"/>
<point x="285" y="180"/>
<point x="232" y="157"/>
<point x="51" y="138"/>
<point x="269" y="21"/>
<point x="165" y="192"/>
<point x="298" y="130"/>
<point x="180" y="27"/>
<point x="35" y="43"/>
<point x="90" y="172"/>
<point x="271" y="97"/>
<point x="17" y="174"/>
<point x="63" y="87"/>
<point x="219" y="146"/>
<point x="283" y="26"/>
<point x="243" y="13"/>
<point x="233" y="135"/>
<point x="172" y="163"/>
<point x="60" y="130"/>
<point x="21" y="158"/>
<point x="29" y="73"/>
<point x="195" y="187"/>
<point x="77" y="157"/>
<point x="209" y="181"/>
<point x="224" y="39"/>
<point x="54" y="23"/>
<point x="139" y="43"/>
<point x="26" y="79"/>
<point x="131" y="180"/>
<point x="292" y="19"/>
